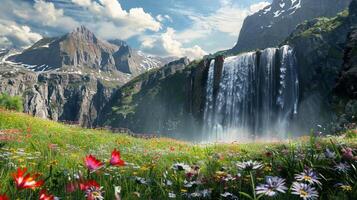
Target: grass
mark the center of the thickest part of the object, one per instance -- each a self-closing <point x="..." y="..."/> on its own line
<point x="326" y="25"/>
<point x="57" y="151"/>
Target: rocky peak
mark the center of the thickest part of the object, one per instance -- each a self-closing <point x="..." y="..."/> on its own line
<point x="83" y="34"/>
<point x="271" y="25"/>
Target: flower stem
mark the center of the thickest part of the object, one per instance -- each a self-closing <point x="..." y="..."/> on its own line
<point x="253" y="185"/>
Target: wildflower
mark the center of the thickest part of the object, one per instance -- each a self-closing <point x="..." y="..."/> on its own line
<point x="206" y="193"/>
<point x="84" y="185"/>
<point x="272" y="186"/>
<point x="117" y="191"/>
<point x="94" y="193"/>
<point x="172" y="195"/>
<point x="195" y="195"/>
<point x="92" y="163"/>
<point x="181" y="167"/>
<point x="137" y="194"/>
<point x="330" y="154"/>
<point x="268" y="154"/>
<point x="45" y="196"/>
<point x="249" y="165"/>
<point x="347" y="153"/>
<point x="305" y="191"/>
<point x="308" y="175"/>
<point x="4" y="197"/>
<point x="167" y="182"/>
<point x="344" y="187"/>
<point x="24" y="181"/>
<point x="228" y="195"/>
<point x="53" y="146"/>
<point x="189" y="184"/>
<point x="71" y="187"/>
<point x="116" y="160"/>
<point x="194" y="171"/>
<point x="141" y="180"/>
<point x="342" y="167"/>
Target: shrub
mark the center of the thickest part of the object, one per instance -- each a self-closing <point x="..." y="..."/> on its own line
<point x="11" y="102"/>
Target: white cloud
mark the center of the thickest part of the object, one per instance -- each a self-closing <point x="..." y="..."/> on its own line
<point x="162" y="18"/>
<point x="45" y="14"/>
<point x="166" y="45"/>
<point x="228" y="19"/>
<point x="112" y="17"/>
<point x="14" y="35"/>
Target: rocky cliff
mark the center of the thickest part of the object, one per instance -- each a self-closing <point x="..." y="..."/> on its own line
<point x="347" y="84"/>
<point x="66" y="97"/>
<point x="270" y="26"/>
<point x="160" y="101"/>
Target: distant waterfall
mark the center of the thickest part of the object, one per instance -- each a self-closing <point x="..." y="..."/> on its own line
<point x="257" y="96"/>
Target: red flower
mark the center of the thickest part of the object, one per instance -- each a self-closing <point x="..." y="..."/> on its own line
<point x="92" y="163"/>
<point x="116" y="160"/>
<point x="24" y="181"/>
<point x="71" y="187"/>
<point x="45" y="196"/>
<point x="88" y="184"/>
<point x="4" y="197"/>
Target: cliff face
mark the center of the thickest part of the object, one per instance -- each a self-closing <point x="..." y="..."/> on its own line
<point x="270" y="26"/>
<point x="347" y="83"/>
<point x="160" y="101"/>
<point x="57" y="96"/>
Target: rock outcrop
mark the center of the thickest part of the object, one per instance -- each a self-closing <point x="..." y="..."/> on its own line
<point x="66" y="97"/>
<point x="347" y="83"/>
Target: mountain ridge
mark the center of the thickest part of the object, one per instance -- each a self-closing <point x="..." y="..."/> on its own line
<point x="271" y="25"/>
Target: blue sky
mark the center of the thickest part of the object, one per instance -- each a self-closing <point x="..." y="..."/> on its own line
<point x="159" y="27"/>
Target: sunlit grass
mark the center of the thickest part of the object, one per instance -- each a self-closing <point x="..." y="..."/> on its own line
<point x="57" y="151"/>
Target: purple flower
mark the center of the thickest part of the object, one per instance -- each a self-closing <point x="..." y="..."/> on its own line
<point x="305" y="191"/>
<point x="308" y="175"/>
<point x="272" y="186"/>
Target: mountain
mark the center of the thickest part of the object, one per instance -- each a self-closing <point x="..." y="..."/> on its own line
<point x="271" y="25"/>
<point x="83" y="51"/>
<point x="72" y="77"/>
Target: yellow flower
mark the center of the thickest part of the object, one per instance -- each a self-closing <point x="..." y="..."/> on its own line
<point x="346" y="188"/>
<point x="267" y="169"/>
<point x="144" y="168"/>
<point x="183" y="190"/>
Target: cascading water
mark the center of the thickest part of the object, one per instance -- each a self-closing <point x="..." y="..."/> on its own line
<point x="257" y="96"/>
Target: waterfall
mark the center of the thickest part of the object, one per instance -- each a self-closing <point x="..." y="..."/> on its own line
<point x="257" y="96"/>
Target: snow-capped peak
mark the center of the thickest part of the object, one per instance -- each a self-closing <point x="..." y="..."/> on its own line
<point x="281" y="8"/>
